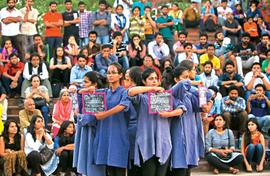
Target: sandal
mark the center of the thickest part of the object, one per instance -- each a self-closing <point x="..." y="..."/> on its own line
<point x="234" y="170"/>
<point x="216" y="171"/>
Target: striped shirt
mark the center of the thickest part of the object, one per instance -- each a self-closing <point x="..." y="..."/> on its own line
<point x="120" y="48"/>
<point x="238" y="105"/>
<point x="137" y="26"/>
<point x="85" y="24"/>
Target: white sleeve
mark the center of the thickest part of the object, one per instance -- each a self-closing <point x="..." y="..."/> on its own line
<point x="113" y="21"/>
<point x="30" y="143"/>
<point x="195" y="59"/>
<point x="45" y="74"/>
<point x="26" y="73"/>
<point x="50" y="146"/>
<point x="150" y="49"/>
<point x="165" y="49"/>
<point x="247" y="78"/>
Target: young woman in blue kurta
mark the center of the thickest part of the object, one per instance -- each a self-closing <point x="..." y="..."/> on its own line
<point x="153" y="140"/>
<point x="187" y="132"/>
<point x="111" y="144"/>
<point x="83" y="158"/>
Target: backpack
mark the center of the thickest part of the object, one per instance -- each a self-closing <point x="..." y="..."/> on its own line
<point x="210" y="25"/>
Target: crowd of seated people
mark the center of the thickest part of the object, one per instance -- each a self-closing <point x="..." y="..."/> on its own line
<point x="126" y="53"/>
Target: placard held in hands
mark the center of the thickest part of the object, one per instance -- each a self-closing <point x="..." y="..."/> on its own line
<point x="159" y="102"/>
<point x="94" y="102"/>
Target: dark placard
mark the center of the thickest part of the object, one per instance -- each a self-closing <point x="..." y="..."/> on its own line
<point x="159" y="102"/>
<point x="94" y="102"/>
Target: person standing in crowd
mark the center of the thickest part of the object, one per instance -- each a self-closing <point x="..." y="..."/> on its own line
<point x="141" y="4"/>
<point x="126" y="4"/>
<point x="39" y="48"/>
<point x="35" y="67"/>
<point x="150" y="26"/>
<point x="234" y="110"/>
<point x="177" y="14"/>
<point x="78" y="71"/>
<point x="220" y="147"/>
<point x="253" y="146"/>
<point x="153" y="161"/>
<point x="102" y="23"/>
<point x="26" y="115"/>
<point x="158" y="49"/>
<point x="12" y="149"/>
<point x="119" y="49"/>
<point x="165" y="25"/>
<point x="28" y="26"/>
<point x="71" y="20"/>
<point x="53" y="22"/>
<point x="120" y="22"/>
<point x="137" y="23"/>
<point x="64" y="146"/>
<point x="230" y="78"/>
<point x="10" y="25"/>
<point x="12" y="77"/>
<point x="86" y="24"/>
<point x="192" y="16"/>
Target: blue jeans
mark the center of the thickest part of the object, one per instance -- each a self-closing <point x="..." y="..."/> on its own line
<point x="53" y="43"/>
<point x="83" y="41"/>
<point x="124" y="62"/>
<point x="254" y="153"/>
<point x="103" y="39"/>
<point x="103" y="72"/>
<point x="45" y="113"/>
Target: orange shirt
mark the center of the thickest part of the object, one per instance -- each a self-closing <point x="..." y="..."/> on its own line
<point x="251" y="28"/>
<point x="53" y="31"/>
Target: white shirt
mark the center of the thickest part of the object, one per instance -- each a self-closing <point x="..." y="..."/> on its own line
<point x="223" y="11"/>
<point x="248" y="78"/>
<point x="28" y="28"/>
<point x="208" y="81"/>
<point x="11" y="29"/>
<point x="182" y="56"/>
<point x="158" y="52"/>
<point x="31" y="145"/>
<point x="43" y="75"/>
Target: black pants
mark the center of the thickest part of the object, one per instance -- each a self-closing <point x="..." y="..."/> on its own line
<point x="152" y="167"/>
<point x="216" y="163"/>
<point x="62" y="76"/>
<point x="116" y="171"/>
<point x="34" y="162"/>
<point x="135" y="61"/>
<point x="66" y="159"/>
<point x="236" y="121"/>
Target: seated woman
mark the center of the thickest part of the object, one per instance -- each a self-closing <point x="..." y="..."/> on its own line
<point x="62" y="111"/>
<point x="11" y="149"/>
<point x="64" y="145"/>
<point x="38" y="140"/>
<point x="72" y="49"/>
<point x="6" y="51"/>
<point x="253" y="146"/>
<point x="40" y="96"/>
<point x="60" y="67"/>
<point x="136" y="51"/>
<point x="220" y="147"/>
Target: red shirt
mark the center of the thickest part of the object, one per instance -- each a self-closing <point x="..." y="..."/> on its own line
<point x="12" y="70"/>
<point x="53" y="31"/>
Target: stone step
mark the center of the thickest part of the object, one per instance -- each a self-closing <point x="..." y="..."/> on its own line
<point x="14" y="110"/>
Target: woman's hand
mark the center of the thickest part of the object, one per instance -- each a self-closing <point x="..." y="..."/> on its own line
<point x="59" y="151"/>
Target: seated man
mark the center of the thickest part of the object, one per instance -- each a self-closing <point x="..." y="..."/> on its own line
<point x="120" y="49"/>
<point x="35" y="67"/>
<point x="188" y="54"/>
<point x="37" y="47"/>
<point x="201" y="47"/>
<point x="230" y="78"/>
<point x="158" y="49"/>
<point x="257" y="107"/>
<point x="93" y="47"/>
<point x="222" y="10"/>
<point x="231" y="28"/>
<point x="246" y="54"/>
<point x="78" y="71"/>
<point x="263" y="46"/>
<point x="208" y="76"/>
<point x="233" y="109"/>
<point x="104" y="59"/>
<point x="27" y="113"/>
<point x="210" y="56"/>
<point x="12" y="75"/>
<point x="254" y="77"/>
<point x="178" y="46"/>
<point x="192" y="15"/>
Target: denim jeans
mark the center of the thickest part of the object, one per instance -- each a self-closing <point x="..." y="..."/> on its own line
<point x="124" y="62"/>
<point x="45" y="111"/>
<point x="84" y="41"/>
<point x="53" y="43"/>
<point x="254" y="153"/>
<point x="103" y="39"/>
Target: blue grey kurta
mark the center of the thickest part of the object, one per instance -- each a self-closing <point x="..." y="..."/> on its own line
<point x="153" y="136"/>
<point x="111" y="144"/>
<point x="187" y="131"/>
<point x="83" y="158"/>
